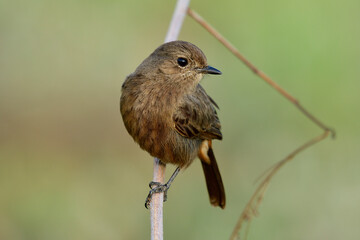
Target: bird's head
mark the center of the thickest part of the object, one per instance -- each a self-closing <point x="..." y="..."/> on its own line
<point x="177" y="61"/>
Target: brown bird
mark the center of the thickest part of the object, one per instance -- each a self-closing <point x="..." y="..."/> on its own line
<point x="169" y="114"/>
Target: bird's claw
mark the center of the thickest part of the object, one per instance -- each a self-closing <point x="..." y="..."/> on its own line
<point x="156" y="187"/>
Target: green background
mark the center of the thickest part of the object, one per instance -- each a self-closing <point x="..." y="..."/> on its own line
<point x="69" y="170"/>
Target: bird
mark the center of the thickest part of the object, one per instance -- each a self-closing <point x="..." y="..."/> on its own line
<point x="170" y="115"/>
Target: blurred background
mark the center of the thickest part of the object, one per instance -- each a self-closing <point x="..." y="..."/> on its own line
<point x="69" y="170"/>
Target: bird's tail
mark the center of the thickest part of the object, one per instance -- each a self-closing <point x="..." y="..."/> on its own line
<point x="212" y="175"/>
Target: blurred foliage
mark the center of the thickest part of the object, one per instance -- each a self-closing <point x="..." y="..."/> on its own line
<point x="69" y="170"/>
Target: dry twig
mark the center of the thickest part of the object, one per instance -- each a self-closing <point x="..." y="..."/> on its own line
<point x="156" y="205"/>
<point x="252" y="206"/>
<point x="262" y="75"/>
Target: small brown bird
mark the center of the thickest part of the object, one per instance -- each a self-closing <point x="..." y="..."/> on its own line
<point x="169" y="114"/>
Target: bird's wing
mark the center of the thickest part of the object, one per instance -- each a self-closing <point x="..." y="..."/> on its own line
<point x="196" y="117"/>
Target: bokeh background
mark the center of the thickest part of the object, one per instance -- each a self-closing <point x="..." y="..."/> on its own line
<point x="69" y="170"/>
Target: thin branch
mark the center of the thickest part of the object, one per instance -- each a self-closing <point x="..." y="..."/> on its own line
<point x="262" y="75"/>
<point x="156" y="205"/>
<point x="177" y="20"/>
<point x="252" y="206"/>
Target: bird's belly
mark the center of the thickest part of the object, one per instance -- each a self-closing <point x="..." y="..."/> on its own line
<point x="165" y="143"/>
<point x="182" y="151"/>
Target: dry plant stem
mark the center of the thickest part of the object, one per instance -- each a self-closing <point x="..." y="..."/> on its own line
<point x="156" y="204"/>
<point x="250" y="209"/>
<point x="266" y="78"/>
<point x="177" y="20"/>
<point x="252" y="206"/>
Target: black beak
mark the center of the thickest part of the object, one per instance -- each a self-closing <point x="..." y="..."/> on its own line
<point x="210" y="70"/>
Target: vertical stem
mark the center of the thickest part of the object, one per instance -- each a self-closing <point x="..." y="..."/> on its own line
<point x="177" y="20"/>
<point x="156" y="205"/>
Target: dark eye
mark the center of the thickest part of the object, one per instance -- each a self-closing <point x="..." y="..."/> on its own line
<point x="182" y="62"/>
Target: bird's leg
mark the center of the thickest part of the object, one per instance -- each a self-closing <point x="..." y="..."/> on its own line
<point x="157" y="187"/>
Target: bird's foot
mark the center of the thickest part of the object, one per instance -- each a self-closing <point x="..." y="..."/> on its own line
<point x="156" y="187"/>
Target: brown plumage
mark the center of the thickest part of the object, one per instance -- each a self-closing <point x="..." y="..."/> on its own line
<point x="170" y="115"/>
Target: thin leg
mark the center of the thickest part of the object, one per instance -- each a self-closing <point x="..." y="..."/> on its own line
<point x="157" y="187"/>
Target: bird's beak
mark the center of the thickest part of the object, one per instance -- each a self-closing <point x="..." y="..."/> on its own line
<point x="209" y="70"/>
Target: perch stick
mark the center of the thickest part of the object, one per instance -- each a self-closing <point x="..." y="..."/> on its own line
<point x="156" y="205"/>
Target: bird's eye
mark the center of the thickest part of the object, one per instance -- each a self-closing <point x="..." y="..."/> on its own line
<point x="182" y="62"/>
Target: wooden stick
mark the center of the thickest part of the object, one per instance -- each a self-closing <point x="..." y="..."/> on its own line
<point x="156" y="205"/>
<point x="252" y="206"/>
<point x="262" y="75"/>
<point x="177" y="20"/>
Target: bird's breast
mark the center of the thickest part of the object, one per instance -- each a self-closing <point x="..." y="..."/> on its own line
<point x="147" y="111"/>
